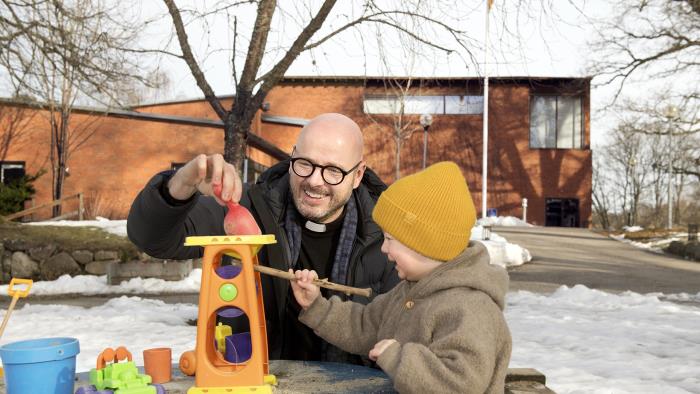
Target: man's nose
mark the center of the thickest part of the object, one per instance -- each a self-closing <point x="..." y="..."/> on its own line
<point x="316" y="178"/>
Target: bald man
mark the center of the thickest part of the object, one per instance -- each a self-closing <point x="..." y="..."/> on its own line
<point x="318" y="204"/>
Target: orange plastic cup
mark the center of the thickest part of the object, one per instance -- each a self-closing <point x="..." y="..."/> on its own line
<point x="158" y="364"/>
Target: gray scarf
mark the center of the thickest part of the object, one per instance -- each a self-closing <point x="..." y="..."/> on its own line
<point x="292" y="226"/>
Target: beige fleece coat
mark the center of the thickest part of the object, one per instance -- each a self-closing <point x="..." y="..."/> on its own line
<point x="451" y="333"/>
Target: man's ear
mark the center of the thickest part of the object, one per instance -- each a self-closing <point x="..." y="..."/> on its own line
<point x="360" y="172"/>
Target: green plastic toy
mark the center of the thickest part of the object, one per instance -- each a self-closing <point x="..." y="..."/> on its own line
<point x="119" y="377"/>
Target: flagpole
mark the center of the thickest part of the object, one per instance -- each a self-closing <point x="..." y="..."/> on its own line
<point x="484" y="164"/>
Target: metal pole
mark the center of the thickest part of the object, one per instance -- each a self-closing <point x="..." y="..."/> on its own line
<point x="425" y="145"/>
<point x="670" y="178"/>
<point x="484" y="163"/>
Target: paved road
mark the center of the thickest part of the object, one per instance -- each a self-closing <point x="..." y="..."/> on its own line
<point x="570" y="256"/>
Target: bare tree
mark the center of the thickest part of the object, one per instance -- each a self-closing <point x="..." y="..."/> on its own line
<point x="649" y="39"/>
<point x="391" y="113"/>
<point x="649" y="148"/>
<point x="602" y="204"/>
<point x="315" y="27"/>
<point x="14" y="125"/>
<point x="63" y="54"/>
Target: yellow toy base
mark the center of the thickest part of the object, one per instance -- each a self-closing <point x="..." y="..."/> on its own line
<point x="256" y="241"/>
<point x="264" y="389"/>
<point x="269" y="380"/>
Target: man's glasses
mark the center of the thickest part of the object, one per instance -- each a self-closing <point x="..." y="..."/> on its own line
<point x="332" y="175"/>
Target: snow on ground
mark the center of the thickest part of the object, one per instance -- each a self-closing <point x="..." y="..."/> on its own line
<point x="656" y="245"/>
<point x="92" y="285"/>
<point x="133" y="322"/>
<point x="506" y="221"/>
<point x="589" y="341"/>
<point x="117" y="227"/>
<point x="583" y="340"/>
<point x="632" y="229"/>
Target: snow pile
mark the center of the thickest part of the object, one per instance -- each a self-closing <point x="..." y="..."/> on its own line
<point x="632" y="229"/>
<point x="506" y="221"/>
<point x="501" y="251"/>
<point x="655" y="245"/>
<point x="117" y="227"/>
<point x="91" y="285"/>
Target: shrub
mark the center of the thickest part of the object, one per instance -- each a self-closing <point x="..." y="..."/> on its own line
<point x="14" y="194"/>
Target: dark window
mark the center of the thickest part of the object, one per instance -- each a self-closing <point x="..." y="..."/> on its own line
<point x="11" y="171"/>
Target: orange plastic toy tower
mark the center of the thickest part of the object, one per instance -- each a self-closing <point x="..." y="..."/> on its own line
<point x="213" y="373"/>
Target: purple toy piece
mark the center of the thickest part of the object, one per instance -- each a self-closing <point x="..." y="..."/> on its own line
<point x="239" y="348"/>
<point x="159" y="389"/>
<point x="91" y="389"/>
<point x="230" y="312"/>
<point x="86" y="390"/>
<point x="228" y="271"/>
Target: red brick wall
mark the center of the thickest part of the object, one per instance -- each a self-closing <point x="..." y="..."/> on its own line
<point x="115" y="163"/>
<point x="515" y="171"/>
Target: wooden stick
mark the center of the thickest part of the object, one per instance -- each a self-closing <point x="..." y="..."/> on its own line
<point x="318" y="282"/>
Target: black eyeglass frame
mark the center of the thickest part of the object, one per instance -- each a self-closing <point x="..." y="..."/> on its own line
<point x="323" y="170"/>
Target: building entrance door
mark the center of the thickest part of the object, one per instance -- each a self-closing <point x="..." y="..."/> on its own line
<point x="561" y="212"/>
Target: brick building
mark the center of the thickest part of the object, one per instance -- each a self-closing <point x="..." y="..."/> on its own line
<point x="539" y="139"/>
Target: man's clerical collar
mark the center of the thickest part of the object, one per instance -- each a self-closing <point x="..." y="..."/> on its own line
<point x="315" y="227"/>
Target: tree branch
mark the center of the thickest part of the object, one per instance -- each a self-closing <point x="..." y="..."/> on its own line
<point x="192" y="62"/>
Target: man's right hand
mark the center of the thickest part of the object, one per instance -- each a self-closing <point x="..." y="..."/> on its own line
<point x="201" y="173"/>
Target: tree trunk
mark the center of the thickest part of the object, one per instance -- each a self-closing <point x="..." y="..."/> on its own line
<point x="61" y="160"/>
<point x="398" y="158"/>
<point x="237" y="126"/>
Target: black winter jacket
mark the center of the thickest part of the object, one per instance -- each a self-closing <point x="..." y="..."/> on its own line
<point x="160" y="229"/>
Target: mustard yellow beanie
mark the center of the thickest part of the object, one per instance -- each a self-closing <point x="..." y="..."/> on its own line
<point x="431" y="211"/>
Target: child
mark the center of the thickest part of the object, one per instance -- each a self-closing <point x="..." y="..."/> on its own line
<point x="442" y="328"/>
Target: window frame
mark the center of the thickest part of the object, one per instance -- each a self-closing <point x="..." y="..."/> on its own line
<point x="11" y="164"/>
<point x="393" y="101"/>
<point x="582" y="137"/>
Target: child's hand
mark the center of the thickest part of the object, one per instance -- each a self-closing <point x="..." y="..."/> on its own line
<point x="304" y="290"/>
<point x="379" y="348"/>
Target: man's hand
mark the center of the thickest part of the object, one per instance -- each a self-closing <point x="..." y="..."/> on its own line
<point x="379" y="348"/>
<point x="304" y="290"/>
<point x="201" y="173"/>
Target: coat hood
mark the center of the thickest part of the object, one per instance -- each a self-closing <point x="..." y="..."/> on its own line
<point x="470" y="269"/>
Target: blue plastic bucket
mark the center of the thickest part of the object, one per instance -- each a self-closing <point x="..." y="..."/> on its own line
<point x="40" y="366"/>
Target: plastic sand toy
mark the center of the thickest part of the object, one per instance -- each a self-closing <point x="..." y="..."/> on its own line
<point x="225" y="361"/>
<point x="118" y="377"/>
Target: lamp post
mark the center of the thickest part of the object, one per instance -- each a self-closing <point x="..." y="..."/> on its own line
<point x="425" y="120"/>
<point x="671" y="113"/>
